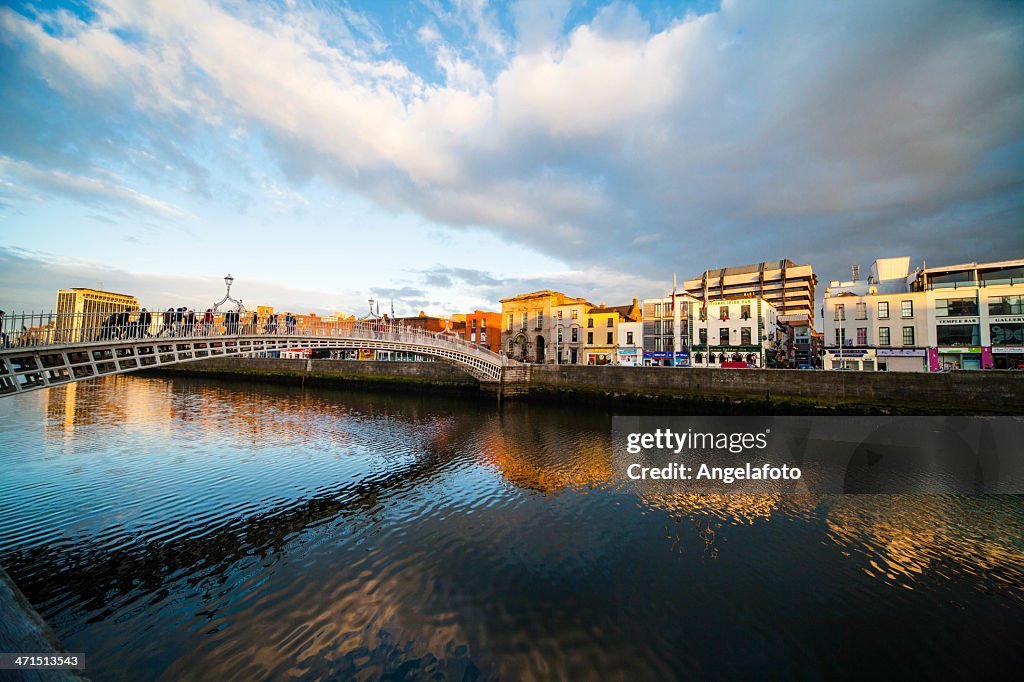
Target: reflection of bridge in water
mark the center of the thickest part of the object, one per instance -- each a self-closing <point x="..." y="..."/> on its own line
<point x="42" y="352"/>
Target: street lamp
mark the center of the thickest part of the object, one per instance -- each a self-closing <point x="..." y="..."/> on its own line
<point x="228" y="281"/>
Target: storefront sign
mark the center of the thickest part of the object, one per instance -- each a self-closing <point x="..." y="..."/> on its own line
<point x="901" y="352"/>
<point x="1008" y="349"/>
<point x="957" y="320"/>
<point x="1003" y="319"/>
<point x="667" y="355"/>
<point x="960" y="350"/>
<point x="849" y="352"/>
<point x="628" y="351"/>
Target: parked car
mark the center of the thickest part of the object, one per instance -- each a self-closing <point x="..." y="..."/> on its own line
<point x="739" y="365"/>
<point x="806" y="366"/>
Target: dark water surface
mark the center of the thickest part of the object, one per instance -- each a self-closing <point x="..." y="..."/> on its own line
<point x="184" y="529"/>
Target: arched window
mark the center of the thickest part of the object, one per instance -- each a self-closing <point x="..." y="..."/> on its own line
<point x="698" y="358"/>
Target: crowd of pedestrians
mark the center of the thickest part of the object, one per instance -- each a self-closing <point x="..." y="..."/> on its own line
<point x="175" y="322"/>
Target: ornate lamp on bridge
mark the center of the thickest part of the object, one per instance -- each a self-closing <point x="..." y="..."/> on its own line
<point x="228" y="281"/>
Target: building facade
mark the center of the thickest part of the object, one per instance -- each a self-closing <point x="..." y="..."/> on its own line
<point x="742" y="330"/>
<point x="530" y="326"/>
<point x="631" y="344"/>
<point x="787" y="286"/>
<point x="480" y="327"/>
<point x="666" y="339"/>
<point x="601" y="332"/>
<point x="80" y="311"/>
<point x="967" y="316"/>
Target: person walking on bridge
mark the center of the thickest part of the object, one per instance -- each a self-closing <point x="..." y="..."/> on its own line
<point x="207" y="322"/>
<point x="145" y="320"/>
<point x="168" y="323"/>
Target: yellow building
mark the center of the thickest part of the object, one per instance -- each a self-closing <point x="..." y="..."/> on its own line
<point x="81" y="308"/>
<point x="529" y="326"/>
<point x="601" y="333"/>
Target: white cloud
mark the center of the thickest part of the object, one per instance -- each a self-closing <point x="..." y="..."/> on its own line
<point x="745" y="125"/>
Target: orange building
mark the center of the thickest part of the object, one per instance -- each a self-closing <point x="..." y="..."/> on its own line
<point x="482" y="328"/>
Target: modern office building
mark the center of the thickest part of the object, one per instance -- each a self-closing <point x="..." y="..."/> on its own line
<point x="666" y="341"/>
<point x="787" y="286"/>
<point x="80" y="312"/>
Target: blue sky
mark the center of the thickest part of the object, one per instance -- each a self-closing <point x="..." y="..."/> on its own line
<point x="448" y="153"/>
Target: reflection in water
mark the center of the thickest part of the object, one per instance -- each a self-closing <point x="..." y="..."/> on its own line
<point x="178" y="529"/>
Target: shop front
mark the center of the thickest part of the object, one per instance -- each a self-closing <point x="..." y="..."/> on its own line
<point x="714" y="356"/>
<point x="902" y="359"/>
<point x="600" y="356"/>
<point x="667" y="359"/>
<point x="945" y="358"/>
<point x="1008" y="357"/>
<point x="629" y="356"/>
<point x="860" y="359"/>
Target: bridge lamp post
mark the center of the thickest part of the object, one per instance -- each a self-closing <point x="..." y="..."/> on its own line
<point x="228" y="281"/>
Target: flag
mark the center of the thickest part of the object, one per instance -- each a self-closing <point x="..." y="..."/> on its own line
<point x="392" y="309"/>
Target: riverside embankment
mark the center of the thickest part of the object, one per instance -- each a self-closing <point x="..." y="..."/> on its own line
<point x="710" y="390"/>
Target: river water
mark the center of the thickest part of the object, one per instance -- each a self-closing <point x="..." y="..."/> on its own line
<point x="182" y="529"/>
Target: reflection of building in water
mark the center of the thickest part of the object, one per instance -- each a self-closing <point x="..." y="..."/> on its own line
<point x="908" y="536"/>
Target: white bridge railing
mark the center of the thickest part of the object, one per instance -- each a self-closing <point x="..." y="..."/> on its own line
<point x="61" y="339"/>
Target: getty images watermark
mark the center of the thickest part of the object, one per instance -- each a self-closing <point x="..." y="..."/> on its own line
<point x="963" y="455"/>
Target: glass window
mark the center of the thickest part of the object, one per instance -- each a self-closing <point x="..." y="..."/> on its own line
<point x="723" y="313"/>
<point x="1007" y="334"/>
<point x="558" y="314"/>
<point x="657" y="310"/>
<point x="883" y="336"/>
<point x="510" y="322"/>
<point x="908" y="336"/>
<point x="702" y="335"/>
<point x="840" y="312"/>
<point x="590" y="338"/>
<point x="745" y="312"/>
<point x="559" y="336"/>
<point x="609" y="341"/>
<point x="1006" y="305"/>
<point x="540" y="319"/>
<point x="483" y="325"/>
<point x="862" y="336"/>
<point x="958" y="334"/>
<point x="883" y="310"/>
<point x="956" y="307"/>
<point x="907" y="309"/>
<point x="575" y="334"/>
<point x="575" y="314"/>
<point x="745" y="336"/>
<point x="869" y="365"/>
<point x="609" y="322"/>
<point x="840" y="337"/>
<point x="723" y="336"/>
<point x="666" y="327"/>
<point x="590" y="323"/>
<point x="472" y="323"/>
<point x="629" y="338"/>
<point x="862" y="311"/>
<point x="525" y="315"/>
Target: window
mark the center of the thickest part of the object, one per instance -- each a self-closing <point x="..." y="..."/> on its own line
<point x="908" y="335"/>
<point x="575" y="314"/>
<point x="590" y="323"/>
<point x="666" y="327"/>
<point x="883" y="336"/>
<point x="723" y="313"/>
<point x="745" y="336"/>
<point x="703" y="314"/>
<point x="575" y="334"/>
<point x="702" y="335"/>
<point x="610" y="334"/>
<point x="840" y="312"/>
<point x="510" y="316"/>
<point x="590" y="338"/>
<point x="958" y="335"/>
<point x="558" y="314"/>
<point x="862" y="336"/>
<point x="510" y="346"/>
<point x="956" y="307"/>
<point x="840" y="337"/>
<point x="907" y="309"/>
<point x="1007" y="334"/>
<point x="559" y="335"/>
<point x="524" y="320"/>
<point x="657" y="310"/>
<point x="609" y="322"/>
<point x="629" y="338"/>
<point x="483" y="325"/>
<point x="869" y="365"/>
<point x="1006" y="305"/>
<point x="745" y="312"/>
<point x="883" y="310"/>
<point x="540" y="319"/>
<point x="723" y="336"/>
<point x="862" y="311"/>
<point x="472" y="324"/>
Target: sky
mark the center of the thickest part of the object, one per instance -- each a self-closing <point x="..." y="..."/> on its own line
<point x="444" y="154"/>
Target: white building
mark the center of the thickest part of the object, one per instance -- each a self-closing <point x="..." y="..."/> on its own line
<point x="666" y="330"/>
<point x="631" y="344"/>
<point x="967" y="316"/>
<point x="735" y="330"/>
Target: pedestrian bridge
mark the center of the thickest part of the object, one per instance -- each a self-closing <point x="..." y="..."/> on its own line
<point x="63" y="351"/>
